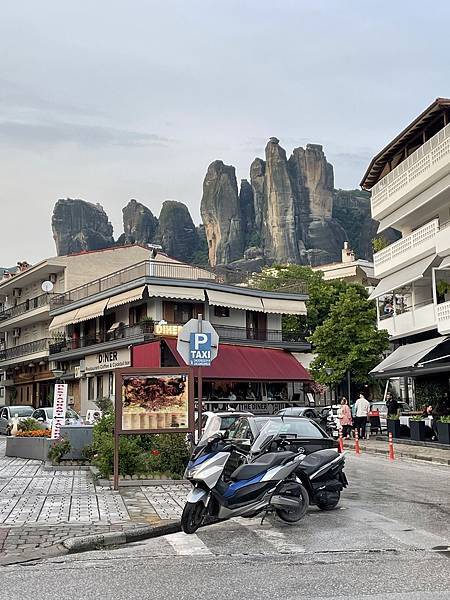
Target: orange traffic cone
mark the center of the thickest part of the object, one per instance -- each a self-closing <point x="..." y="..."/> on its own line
<point x="391" y="447"/>
<point x="341" y="442"/>
<point x="357" y="448"/>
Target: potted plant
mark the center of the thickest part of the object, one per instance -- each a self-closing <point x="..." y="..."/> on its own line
<point x="417" y="428"/>
<point x="393" y="425"/>
<point x="443" y="289"/>
<point x="147" y="325"/>
<point x="443" y="430"/>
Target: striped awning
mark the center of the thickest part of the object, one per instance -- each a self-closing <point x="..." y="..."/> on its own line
<point x="284" y="307"/>
<point x="240" y="301"/>
<point x="61" y="321"/>
<point x="126" y="297"/>
<point x="91" y="311"/>
<point x="177" y="292"/>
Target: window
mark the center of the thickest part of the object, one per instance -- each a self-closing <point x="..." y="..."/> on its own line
<point x="221" y="311"/>
<point x="91" y="393"/>
<point x="137" y="313"/>
<point x="99" y="386"/>
<point x="111" y="384"/>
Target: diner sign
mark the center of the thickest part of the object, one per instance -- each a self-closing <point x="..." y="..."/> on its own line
<point x="59" y="409"/>
<point x="108" y="361"/>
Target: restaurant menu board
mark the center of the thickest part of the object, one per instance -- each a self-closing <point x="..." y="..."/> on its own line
<point x="155" y="402"/>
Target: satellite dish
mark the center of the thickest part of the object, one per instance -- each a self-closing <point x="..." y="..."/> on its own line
<point x="47" y="286"/>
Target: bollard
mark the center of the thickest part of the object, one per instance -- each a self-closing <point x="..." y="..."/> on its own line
<point x="341" y="442"/>
<point x="391" y="447"/>
<point x="357" y="448"/>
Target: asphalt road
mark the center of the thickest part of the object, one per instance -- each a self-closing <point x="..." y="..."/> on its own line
<point x="387" y="541"/>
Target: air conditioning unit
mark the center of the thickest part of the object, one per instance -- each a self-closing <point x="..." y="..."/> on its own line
<point x="17" y="292"/>
<point x="16" y="332"/>
<point x="52" y="277"/>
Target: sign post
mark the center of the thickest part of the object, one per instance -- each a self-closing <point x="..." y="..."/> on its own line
<point x="198" y="344"/>
<point x="59" y="409"/>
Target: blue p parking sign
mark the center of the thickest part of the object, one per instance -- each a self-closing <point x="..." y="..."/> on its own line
<point x="200" y="349"/>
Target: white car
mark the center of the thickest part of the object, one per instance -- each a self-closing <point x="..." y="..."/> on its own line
<point x="45" y="417"/>
<point x="218" y="422"/>
<point x="382" y="409"/>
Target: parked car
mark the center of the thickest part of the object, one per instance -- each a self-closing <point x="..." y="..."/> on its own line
<point x="7" y="414"/>
<point x="45" y="417"/>
<point x="304" y="411"/>
<point x="382" y="409"/>
<point x="245" y="431"/>
<point x="218" y="422"/>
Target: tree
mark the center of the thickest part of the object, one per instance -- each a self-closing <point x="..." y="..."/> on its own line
<point x="348" y="340"/>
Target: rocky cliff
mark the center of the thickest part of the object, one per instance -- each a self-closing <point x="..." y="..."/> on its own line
<point x="176" y="232"/>
<point x="78" y="225"/>
<point x="139" y="224"/>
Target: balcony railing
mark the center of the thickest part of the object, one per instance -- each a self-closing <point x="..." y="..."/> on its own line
<point x="24" y="349"/>
<point x="226" y="333"/>
<point x="418" y="165"/>
<point x="24" y="307"/>
<point x="147" y="268"/>
<point x="410" y="244"/>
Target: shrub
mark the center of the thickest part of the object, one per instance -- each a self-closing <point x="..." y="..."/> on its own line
<point x="35" y="433"/>
<point x="105" y="404"/>
<point x="445" y="419"/>
<point x="58" y="450"/>
<point x="28" y="424"/>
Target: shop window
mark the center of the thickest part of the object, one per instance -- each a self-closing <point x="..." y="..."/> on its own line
<point x="99" y="386"/>
<point x="91" y="392"/>
<point x="221" y="311"/>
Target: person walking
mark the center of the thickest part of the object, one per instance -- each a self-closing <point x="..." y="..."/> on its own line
<point x="345" y="418"/>
<point x="362" y="407"/>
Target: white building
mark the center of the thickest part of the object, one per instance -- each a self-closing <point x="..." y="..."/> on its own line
<point x="410" y="185"/>
<point x="351" y="269"/>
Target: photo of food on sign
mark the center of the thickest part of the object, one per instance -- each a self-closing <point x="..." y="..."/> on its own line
<point x="155" y="402"/>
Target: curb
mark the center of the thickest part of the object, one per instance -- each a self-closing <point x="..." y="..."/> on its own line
<point x="98" y="541"/>
<point x="32" y="555"/>
<point x="401" y="454"/>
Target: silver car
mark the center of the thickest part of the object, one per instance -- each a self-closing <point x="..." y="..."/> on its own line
<point x="7" y="414"/>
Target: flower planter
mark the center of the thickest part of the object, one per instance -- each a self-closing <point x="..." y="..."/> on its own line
<point x="147" y="326"/>
<point x="417" y="430"/>
<point x="23" y="447"/>
<point x="393" y="426"/>
<point x="443" y="430"/>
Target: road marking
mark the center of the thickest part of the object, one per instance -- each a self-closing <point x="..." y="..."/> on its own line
<point x="274" y="537"/>
<point x="187" y="545"/>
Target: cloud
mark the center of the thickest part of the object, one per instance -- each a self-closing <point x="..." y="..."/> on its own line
<point x="15" y="132"/>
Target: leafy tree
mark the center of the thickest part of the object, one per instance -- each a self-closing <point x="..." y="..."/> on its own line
<point x="348" y="340"/>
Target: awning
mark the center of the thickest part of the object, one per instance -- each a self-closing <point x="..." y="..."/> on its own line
<point x="401" y="278"/>
<point x="406" y="357"/>
<point x="177" y="292"/>
<point x="284" y="307"/>
<point x="61" y="321"/>
<point x="445" y="264"/>
<point x="248" y="363"/>
<point x="239" y="301"/>
<point x="126" y="297"/>
<point x="91" y="311"/>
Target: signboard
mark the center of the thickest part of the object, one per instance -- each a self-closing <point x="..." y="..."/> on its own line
<point x="186" y="343"/>
<point x="108" y="361"/>
<point x="59" y="409"/>
<point x="200" y="349"/>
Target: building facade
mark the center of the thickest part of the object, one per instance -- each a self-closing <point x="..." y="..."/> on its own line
<point x="410" y="186"/>
<point x="351" y="269"/>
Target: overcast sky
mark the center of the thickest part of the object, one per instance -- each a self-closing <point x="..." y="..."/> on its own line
<point x="109" y="100"/>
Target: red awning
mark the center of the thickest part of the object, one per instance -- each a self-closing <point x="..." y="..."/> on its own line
<point x="245" y="363"/>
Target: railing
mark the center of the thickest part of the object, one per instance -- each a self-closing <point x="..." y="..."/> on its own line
<point x="417" y="164"/>
<point x="24" y="349"/>
<point x="410" y="242"/>
<point x="443" y="313"/>
<point x="125" y="332"/>
<point x="24" y="307"/>
<point x="251" y="280"/>
<point x="229" y="333"/>
<point x="147" y="268"/>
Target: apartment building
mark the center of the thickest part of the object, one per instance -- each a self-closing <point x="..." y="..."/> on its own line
<point x="410" y="185"/>
<point x="351" y="269"/>
<point x="26" y="376"/>
<point x="132" y="317"/>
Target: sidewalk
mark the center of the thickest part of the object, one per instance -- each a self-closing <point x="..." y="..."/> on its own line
<point x="402" y="449"/>
<point x="40" y="508"/>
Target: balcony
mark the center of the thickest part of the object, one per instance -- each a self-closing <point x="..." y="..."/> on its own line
<point x="142" y="270"/>
<point x="25" y="312"/>
<point x="443" y="318"/>
<point x="25" y="350"/>
<point x="294" y="340"/>
<point x="410" y="320"/>
<point x="427" y="165"/>
<point x="411" y="248"/>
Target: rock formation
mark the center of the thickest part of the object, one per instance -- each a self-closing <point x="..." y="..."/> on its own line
<point x="221" y="214"/>
<point x="78" y="225"/>
<point x="139" y="224"/>
<point x="177" y="233"/>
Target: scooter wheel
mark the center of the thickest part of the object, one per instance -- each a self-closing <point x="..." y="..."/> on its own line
<point x="294" y="515"/>
<point x="331" y="502"/>
<point x="192" y="517"/>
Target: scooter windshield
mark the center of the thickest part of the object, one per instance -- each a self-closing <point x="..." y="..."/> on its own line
<point x="273" y="429"/>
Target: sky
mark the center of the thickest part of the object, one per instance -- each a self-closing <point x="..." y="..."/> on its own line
<point x="112" y="100"/>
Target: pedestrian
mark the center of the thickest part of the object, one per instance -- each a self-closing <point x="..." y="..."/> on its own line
<point x="362" y="407"/>
<point x="392" y="405"/>
<point x="345" y="418"/>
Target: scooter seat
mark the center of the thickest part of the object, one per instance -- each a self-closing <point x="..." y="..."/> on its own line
<point x="312" y="462"/>
<point x="261" y="464"/>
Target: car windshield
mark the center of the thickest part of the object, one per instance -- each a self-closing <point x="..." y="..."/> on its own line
<point x="70" y="414"/>
<point x="21" y="411"/>
<point x="296" y="428"/>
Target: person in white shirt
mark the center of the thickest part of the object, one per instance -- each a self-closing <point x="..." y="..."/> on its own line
<point x="362" y="407"/>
